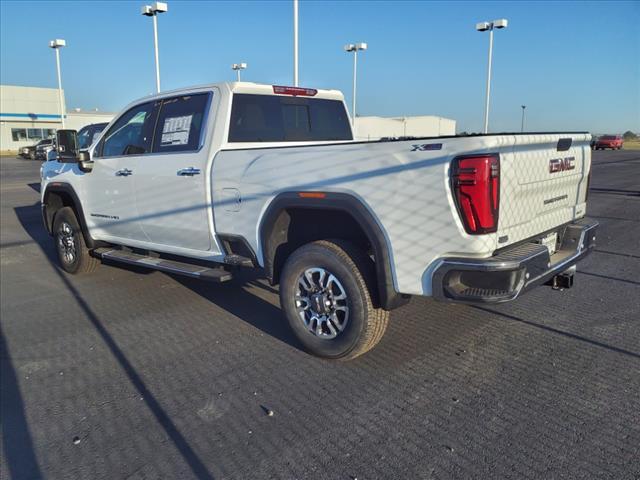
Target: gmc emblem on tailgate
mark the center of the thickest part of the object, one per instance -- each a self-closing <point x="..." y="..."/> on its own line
<point x="561" y="164"/>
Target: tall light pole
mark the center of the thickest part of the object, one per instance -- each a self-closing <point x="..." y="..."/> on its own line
<point x="57" y="44"/>
<point x="153" y="11"/>
<point x="483" y="27"/>
<point x="237" y="67"/>
<point x="295" y="43"/>
<point x="354" y="47"/>
<point x="522" y="124"/>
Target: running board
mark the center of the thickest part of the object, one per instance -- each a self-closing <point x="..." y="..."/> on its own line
<point x="217" y="275"/>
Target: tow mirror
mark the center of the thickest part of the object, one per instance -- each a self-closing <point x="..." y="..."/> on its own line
<point x="67" y="146"/>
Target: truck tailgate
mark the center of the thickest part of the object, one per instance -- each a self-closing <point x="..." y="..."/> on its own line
<point x="543" y="184"/>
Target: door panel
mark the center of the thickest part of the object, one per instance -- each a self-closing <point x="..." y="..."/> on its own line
<point x="170" y="184"/>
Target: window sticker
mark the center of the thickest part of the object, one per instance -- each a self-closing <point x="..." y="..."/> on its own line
<point x="176" y="131"/>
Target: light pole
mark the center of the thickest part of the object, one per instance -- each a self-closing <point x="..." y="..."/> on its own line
<point x="152" y="11"/>
<point x="522" y="124"/>
<point x="237" y="67"/>
<point x="483" y="27"/>
<point x="295" y="43"/>
<point x="354" y="47"/>
<point x="57" y="44"/>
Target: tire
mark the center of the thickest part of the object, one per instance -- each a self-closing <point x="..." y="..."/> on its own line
<point x="73" y="254"/>
<point x="350" y="326"/>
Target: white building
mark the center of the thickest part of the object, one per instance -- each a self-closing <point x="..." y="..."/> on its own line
<point x="374" y="128"/>
<point x="29" y="114"/>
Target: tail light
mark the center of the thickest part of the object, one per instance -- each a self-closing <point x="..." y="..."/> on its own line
<point x="295" y="91"/>
<point x="476" y="190"/>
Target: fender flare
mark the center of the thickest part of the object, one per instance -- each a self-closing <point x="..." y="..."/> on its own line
<point x="48" y="217"/>
<point x="388" y="297"/>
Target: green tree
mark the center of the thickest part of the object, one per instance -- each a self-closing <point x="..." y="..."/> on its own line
<point x="629" y="135"/>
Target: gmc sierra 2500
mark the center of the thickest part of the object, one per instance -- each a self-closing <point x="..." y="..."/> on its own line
<point x="205" y="180"/>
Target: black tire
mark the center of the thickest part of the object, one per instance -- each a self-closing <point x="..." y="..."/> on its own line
<point x="362" y="325"/>
<point x="73" y="254"/>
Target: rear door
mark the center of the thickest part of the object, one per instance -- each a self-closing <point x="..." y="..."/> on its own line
<point x="543" y="184"/>
<point x="171" y="183"/>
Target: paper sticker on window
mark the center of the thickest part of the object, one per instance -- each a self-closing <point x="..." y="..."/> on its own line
<point x="176" y="131"/>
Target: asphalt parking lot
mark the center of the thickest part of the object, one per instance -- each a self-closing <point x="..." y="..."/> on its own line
<point x="138" y="375"/>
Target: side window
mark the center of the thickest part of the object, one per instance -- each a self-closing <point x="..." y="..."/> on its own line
<point x="131" y="134"/>
<point x="180" y="123"/>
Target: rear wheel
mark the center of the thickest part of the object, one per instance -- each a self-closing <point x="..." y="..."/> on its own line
<point x="73" y="254"/>
<point x="325" y="293"/>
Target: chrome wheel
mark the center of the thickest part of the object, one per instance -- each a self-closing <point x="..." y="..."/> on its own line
<point x="321" y="303"/>
<point x="67" y="243"/>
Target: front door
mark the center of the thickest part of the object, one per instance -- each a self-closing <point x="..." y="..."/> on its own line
<point x="110" y="207"/>
<point x="171" y="183"/>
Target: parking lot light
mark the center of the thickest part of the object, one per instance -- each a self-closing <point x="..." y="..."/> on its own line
<point x="57" y="44"/>
<point x="522" y="124"/>
<point x="237" y="67"/>
<point x="354" y="47"/>
<point x="152" y="11"/>
<point x="483" y="27"/>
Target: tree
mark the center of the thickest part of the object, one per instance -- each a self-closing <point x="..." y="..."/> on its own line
<point x="629" y="135"/>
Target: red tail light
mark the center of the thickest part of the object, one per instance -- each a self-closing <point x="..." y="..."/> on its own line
<point x="476" y="189"/>
<point x="295" y="91"/>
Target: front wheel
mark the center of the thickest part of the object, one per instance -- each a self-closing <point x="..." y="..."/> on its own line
<point x="73" y="253"/>
<point x="325" y="293"/>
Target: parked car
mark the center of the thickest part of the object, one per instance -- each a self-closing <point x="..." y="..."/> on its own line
<point x="42" y="150"/>
<point x="203" y="181"/>
<point x="594" y="140"/>
<point x="614" y="142"/>
<point x="30" y="151"/>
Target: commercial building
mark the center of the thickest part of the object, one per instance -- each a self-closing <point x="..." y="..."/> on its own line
<point x="375" y="128"/>
<point x="29" y="114"/>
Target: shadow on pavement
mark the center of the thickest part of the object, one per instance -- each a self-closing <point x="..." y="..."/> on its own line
<point x="16" y="438"/>
<point x="19" y="454"/>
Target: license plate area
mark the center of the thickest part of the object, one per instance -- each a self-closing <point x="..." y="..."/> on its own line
<point x="550" y="241"/>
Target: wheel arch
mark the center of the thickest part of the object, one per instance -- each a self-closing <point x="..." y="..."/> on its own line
<point x="58" y="195"/>
<point x="274" y="234"/>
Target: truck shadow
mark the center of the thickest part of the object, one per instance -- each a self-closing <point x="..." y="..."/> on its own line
<point x="16" y="435"/>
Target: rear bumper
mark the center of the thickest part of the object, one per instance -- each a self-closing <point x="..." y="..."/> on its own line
<point x="511" y="272"/>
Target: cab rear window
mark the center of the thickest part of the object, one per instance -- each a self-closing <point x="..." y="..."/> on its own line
<point x="272" y="118"/>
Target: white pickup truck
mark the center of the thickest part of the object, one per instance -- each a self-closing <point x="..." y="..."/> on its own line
<point x="203" y="181"/>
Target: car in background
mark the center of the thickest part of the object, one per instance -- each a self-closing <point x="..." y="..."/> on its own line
<point x="614" y="142"/>
<point x="88" y="134"/>
<point x="594" y="140"/>
<point x="42" y="150"/>
<point x="30" y="151"/>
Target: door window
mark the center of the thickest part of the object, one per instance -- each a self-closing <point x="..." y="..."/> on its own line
<point x="180" y="123"/>
<point x="131" y="134"/>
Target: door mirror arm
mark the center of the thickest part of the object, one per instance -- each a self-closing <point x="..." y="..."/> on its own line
<point x="84" y="161"/>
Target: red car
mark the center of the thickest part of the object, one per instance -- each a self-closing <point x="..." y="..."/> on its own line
<point x="614" y="142"/>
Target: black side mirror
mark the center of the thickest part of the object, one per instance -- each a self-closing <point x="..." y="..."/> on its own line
<point x="67" y="146"/>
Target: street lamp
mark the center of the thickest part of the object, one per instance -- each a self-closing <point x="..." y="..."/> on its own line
<point x="237" y="67"/>
<point x="483" y="27"/>
<point x="295" y="43"/>
<point x="354" y="47"/>
<point x="152" y="11"/>
<point x="522" y="124"/>
<point x="57" y="44"/>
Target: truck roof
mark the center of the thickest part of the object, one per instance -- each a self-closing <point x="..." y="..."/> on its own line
<point x="252" y="88"/>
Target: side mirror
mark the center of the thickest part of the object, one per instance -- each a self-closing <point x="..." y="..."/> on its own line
<point x="67" y="146"/>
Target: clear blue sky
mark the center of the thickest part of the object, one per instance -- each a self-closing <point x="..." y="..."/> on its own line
<point x="576" y="65"/>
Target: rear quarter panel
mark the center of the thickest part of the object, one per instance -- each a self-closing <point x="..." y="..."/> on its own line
<point x="406" y="190"/>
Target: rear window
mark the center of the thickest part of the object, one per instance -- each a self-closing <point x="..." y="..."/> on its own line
<point x="271" y="118"/>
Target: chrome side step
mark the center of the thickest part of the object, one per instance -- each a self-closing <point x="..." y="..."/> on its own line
<point x="217" y="275"/>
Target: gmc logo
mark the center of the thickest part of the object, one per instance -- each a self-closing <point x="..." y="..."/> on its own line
<point x="561" y="164"/>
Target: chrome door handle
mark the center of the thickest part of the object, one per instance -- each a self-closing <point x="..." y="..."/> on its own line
<point x="125" y="172"/>
<point x="189" y="172"/>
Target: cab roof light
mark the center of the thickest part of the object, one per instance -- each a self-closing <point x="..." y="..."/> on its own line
<point x="295" y="91"/>
<point x="312" y="194"/>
